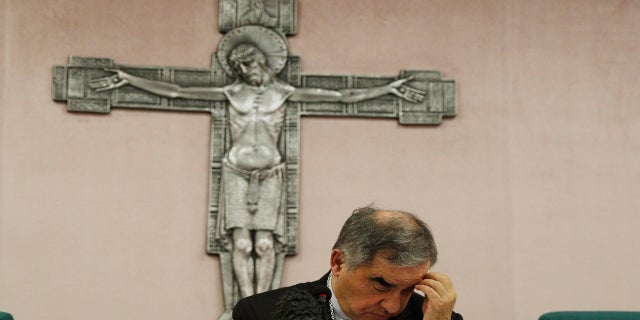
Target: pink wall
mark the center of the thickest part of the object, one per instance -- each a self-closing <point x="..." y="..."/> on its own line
<point x="532" y="190"/>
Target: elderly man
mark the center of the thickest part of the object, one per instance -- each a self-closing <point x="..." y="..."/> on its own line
<point x="379" y="270"/>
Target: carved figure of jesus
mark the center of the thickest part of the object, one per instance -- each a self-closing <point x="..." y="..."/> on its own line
<point x="253" y="169"/>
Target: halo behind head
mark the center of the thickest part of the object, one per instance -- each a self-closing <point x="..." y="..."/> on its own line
<point x="272" y="44"/>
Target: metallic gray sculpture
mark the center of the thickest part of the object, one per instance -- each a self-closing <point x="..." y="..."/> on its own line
<point x="256" y="95"/>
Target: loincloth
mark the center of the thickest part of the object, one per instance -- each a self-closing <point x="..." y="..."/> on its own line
<point x="253" y="199"/>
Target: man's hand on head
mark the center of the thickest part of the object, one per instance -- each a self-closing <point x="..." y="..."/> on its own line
<point x="440" y="296"/>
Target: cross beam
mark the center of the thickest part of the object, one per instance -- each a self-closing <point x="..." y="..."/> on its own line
<point x="70" y="85"/>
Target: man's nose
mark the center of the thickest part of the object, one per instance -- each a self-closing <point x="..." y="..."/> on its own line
<point x="392" y="304"/>
<point x="243" y="68"/>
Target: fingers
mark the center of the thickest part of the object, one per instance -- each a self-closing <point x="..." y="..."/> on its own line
<point x="110" y="82"/>
<point x="411" y="94"/>
<point x="440" y="296"/>
<point x="408" y="93"/>
<point x="440" y="283"/>
<point x="404" y="96"/>
<point x="103" y="82"/>
<point x="107" y="83"/>
<point x="440" y="277"/>
<point x="403" y="91"/>
<point x="105" y="88"/>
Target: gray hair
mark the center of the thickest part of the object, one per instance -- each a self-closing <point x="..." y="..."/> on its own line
<point x="401" y="237"/>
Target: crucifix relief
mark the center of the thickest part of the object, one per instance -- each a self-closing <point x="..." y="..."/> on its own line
<point x="256" y="95"/>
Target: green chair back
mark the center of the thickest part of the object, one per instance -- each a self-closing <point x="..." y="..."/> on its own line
<point x="5" y="316"/>
<point x="591" y="315"/>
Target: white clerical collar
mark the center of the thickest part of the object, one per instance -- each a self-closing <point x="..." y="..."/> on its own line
<point x="338" y="314"/>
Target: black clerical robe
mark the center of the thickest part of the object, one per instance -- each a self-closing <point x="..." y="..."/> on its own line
<point x="262" y="306"/>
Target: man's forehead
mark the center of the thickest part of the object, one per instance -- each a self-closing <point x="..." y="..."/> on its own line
<point x="396" y="274"/>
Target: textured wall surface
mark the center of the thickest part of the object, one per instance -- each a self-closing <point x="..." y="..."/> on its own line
<point x="532" y="190"/>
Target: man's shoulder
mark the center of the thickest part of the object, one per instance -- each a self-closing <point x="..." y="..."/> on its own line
<point x="262" y="306"/>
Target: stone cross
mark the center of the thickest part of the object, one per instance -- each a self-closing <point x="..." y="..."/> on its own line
<point x="227" y="91"/>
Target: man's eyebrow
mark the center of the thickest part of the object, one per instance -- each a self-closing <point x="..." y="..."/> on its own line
<point x="382" y="282"/>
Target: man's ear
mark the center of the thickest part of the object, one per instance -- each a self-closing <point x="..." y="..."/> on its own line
<point x="337" y="261"/>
